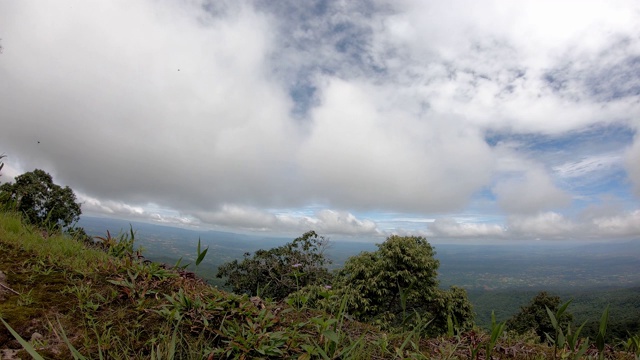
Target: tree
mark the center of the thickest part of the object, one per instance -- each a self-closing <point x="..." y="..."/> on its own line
<point x="399" y="280"/>
<point x="534" y="316"/>
<point x="277" y="272"/>
<point x="41" y="202"/>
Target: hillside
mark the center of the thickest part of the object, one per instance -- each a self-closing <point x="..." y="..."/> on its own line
<point x="67" y="300"/>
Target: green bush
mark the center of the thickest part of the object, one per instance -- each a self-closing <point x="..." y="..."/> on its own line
<point x="278" y="272"/>
<point x="534" y="316"/>
<point x="398" y="283"/>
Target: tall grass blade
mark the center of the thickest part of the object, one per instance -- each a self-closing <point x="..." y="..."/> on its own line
<point x="25" y="344"/>
<point x="602" y="332"/>
<point x="74" y="352"/>
<point x="201" y="255"/>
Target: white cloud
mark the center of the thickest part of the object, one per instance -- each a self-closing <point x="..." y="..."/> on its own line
<point x="525" y="186"/>
<point x="625" y="224"/>
<point x="588" y="166"/>
<point x="364" y="151"/>
<point x="444" y="227"/>
<point x="547" y="224"/>
<point x="632" y="162"/>
<point x="168" y="105"/>
<point x="341" y="222"/>
<point x="489" y="61"/>
<point x="325" y="221"/>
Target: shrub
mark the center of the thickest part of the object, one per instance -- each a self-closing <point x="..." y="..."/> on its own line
<point x="277" y="272"/>
<point x="399" y="280"/>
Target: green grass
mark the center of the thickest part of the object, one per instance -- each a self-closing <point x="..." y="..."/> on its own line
<point x="105" y="302"/>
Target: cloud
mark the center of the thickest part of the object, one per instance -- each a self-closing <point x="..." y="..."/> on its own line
<point x="335" y="222"/>
<point x="625" y="224"/>
<point x="632" y="162"/>
<point x="488" y="62"/>
<point x="446" y="227"/>
<point x="364" y="151"/>
<point x="325" y="221"/>
<point x="525" y="186"/>
<point x="532" y="192"/>
<point x="547" y="224"/>
<point x="171" y="104"/>
<point x="149" y="213"/>
<point x="588" y="166"/>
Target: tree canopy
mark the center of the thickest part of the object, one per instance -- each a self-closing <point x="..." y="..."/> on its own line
<point x="398" y="281"/>
<point x="277" y="272"/>
<point x="534" y="316"/>
<point x="40" y="201"/>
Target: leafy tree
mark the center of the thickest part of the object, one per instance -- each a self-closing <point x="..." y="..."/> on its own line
<point x="398" y="281"/>
<point x="277" y="272"/>
<point x="534" y="316"/>
<point x="42" y="202"/>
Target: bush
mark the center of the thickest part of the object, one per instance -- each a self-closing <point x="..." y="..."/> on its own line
<point x="399" y="280"/>
<point x="534" y="316"/>
<point x="277" y="272"/>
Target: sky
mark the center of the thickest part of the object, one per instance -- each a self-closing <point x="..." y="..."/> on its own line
<point x="469" y="121"/>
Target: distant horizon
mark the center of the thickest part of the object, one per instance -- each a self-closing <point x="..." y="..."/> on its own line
<point x="369" y="240"/>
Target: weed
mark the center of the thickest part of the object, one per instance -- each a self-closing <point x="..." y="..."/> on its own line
<point x="497" y="329"/>
<point x="26" y="298"/>
<point x="602" y="332"/>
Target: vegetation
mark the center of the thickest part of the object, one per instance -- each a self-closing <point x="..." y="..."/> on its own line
<point x="398" y="282"/>
<point x="2" y="156"/>
<point x="63" y="297"/>
<point x="535" y="317"/>
<point x="42" y="202"/>
<point x="278" y="272"/>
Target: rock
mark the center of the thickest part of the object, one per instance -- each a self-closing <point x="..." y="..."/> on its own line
<point x="8" y="354"/>
<point x="36" y="336"/>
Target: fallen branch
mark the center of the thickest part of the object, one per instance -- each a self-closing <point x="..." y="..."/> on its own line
<point x="10" y="289"/>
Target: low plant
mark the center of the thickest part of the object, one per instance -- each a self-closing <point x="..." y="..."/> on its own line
<point x="602" y="332"/>
<point x="632" y="345"/>
<point x="497" y="329"/>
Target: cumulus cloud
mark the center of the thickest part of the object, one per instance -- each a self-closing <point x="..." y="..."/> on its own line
<point x="325" y="221"/>
<point x="625" y="224"/>
<point x="95" y="207"/>
<point x="363" y="151"/>
<point x="547" y="224"/>
<point x="341" y="222"/>
<point x="532" y="192"/>
<point x="632" y="162"/>
<point x="170" y="104"/>
<point x="525" y="186"/>
<point x="446" y="227"/>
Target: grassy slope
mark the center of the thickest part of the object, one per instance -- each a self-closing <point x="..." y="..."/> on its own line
<point x="124" y="307"/>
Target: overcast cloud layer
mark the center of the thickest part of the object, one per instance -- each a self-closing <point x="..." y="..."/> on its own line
<point x="455" y="120"/>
